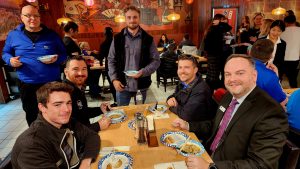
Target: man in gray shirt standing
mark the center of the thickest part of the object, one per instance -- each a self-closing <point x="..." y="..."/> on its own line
<point x="132" y="49"/>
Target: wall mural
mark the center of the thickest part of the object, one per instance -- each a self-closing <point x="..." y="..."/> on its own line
<point x="9" y="22"/>
<point x="103" y="12"/>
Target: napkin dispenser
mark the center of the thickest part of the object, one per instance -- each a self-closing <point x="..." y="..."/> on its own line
<point x="151" y="134"/>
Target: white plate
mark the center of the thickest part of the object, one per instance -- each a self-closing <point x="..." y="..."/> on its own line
<point x="46" y="58"/>
<point x="176" y="136"/>
<point x="190" y="142"/>
<point x="116" y="116"/>
<point x="160" y="108"/>
<point x="131" y="72"/>
<point x="125" y="159"/>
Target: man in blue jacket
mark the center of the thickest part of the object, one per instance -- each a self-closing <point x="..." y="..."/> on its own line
<point x="23" y="47"/>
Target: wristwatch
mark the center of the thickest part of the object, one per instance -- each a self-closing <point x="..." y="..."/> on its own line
<point x="212" y="166"/>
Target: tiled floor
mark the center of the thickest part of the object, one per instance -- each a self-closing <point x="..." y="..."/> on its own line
<point x="13" y="123"/>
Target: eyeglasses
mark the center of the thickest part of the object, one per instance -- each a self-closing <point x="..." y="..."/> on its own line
<point x="31" y="16"/>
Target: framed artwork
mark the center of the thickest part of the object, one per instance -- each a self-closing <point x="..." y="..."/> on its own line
<point x="9" y="22"/>
<point x="231" y="14"/>
<point x="102" y="14"/>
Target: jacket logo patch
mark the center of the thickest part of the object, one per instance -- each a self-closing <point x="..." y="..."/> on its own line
<point x="46" y="47"/>
<point x="79" y="104"/>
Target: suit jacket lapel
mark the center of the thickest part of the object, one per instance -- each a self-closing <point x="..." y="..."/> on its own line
<point x="242" y="110"/>
<point x="220" y="113"/>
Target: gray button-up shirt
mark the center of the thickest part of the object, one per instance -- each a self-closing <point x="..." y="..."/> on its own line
<point x="132" y="53"/>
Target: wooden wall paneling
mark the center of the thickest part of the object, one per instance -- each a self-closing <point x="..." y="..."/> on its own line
<point x="204" y="17"/>
<point x="55" y="11"/>
<point x="4" y="95"/>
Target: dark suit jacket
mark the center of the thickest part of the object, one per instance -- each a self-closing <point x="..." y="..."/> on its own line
<point x="254" y="137"/>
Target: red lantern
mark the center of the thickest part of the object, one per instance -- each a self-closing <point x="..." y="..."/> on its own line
<point x="89" y="2"/>
<point x="189" y="1"/>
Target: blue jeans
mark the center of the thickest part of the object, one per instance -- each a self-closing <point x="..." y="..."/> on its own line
<point x="123" y="98"/>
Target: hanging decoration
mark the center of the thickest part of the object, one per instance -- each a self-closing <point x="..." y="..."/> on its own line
<point x="30" y="1"/>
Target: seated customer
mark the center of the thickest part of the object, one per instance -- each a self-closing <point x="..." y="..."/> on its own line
<point x="186" y="41"/>
<point x="267" y="79"/>
<point x="54" y="140"/>
<point x="250" y="128"/>
<point x="170" y="54"/>
<point x="192" y="100"/>
<point x="293" y="112"/>
<point x="76" y="75"/>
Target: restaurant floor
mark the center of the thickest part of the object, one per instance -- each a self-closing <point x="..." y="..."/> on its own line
<point x="13" y="123"/>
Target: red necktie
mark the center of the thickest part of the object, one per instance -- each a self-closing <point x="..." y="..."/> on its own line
<point x="223" y="125"/>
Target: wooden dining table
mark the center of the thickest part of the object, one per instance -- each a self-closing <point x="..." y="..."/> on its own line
<point x="144" y="157"/>
<point x="290" y="91"/>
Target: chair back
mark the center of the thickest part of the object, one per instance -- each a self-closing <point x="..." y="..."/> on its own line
<point x="291" y="151"/>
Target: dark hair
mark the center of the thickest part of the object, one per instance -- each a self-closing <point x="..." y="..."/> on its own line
<point x="248" y="58"/>
<point x="43" y="92"/>
<point x="278" y="23"/>
<point x="218" y="16"/>
<point x="108" y="31"/>
<point x="188" y="57"/>
<point x="160" y="39"/>
<point x="290" y="12"/>
<point x="186" y="36"/>
<point x="133" y="8"/>
<point x="290" y="19"/>
<point x="262" y="49"/>
<point x="78" y="58"/>
<point x="70" y="25"/>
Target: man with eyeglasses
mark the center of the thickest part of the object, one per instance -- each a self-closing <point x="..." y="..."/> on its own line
<point x="192" y="99"/>
<point x="23" y="50"/>
<point x="55" y="140"/>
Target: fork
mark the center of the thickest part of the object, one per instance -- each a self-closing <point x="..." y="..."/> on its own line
<point x="185" y="142"/>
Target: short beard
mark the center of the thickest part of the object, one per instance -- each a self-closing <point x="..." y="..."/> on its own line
<point x="133" y="28"/>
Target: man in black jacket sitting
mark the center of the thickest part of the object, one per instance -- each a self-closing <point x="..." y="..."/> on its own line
<point x="76" y="74"/>
<point x="54" y="140"/>
<point x="192" y="100"/>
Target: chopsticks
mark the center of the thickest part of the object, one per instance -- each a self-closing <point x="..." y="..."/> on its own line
<point x="185" y="142"/>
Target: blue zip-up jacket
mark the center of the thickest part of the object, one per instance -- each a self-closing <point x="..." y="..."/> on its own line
<point x="34" y="71"/>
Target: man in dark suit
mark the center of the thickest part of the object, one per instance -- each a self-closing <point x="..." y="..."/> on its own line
<point x="249" y="129"/>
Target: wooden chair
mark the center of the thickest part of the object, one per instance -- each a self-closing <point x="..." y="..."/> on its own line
<point x="167" y="70"/>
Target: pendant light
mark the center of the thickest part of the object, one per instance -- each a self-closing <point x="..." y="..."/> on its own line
<point x="278" y="11"/>
<point x="63" y="20"/>
<point x="89" y="3"/>
<point x="173" y="16"/>
<point x="30" y="1"/>
<point x="120" y="18"/>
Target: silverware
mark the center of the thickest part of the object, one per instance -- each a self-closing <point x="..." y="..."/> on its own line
<point x="185" y="142"/>
<point x="155" y="107"/>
